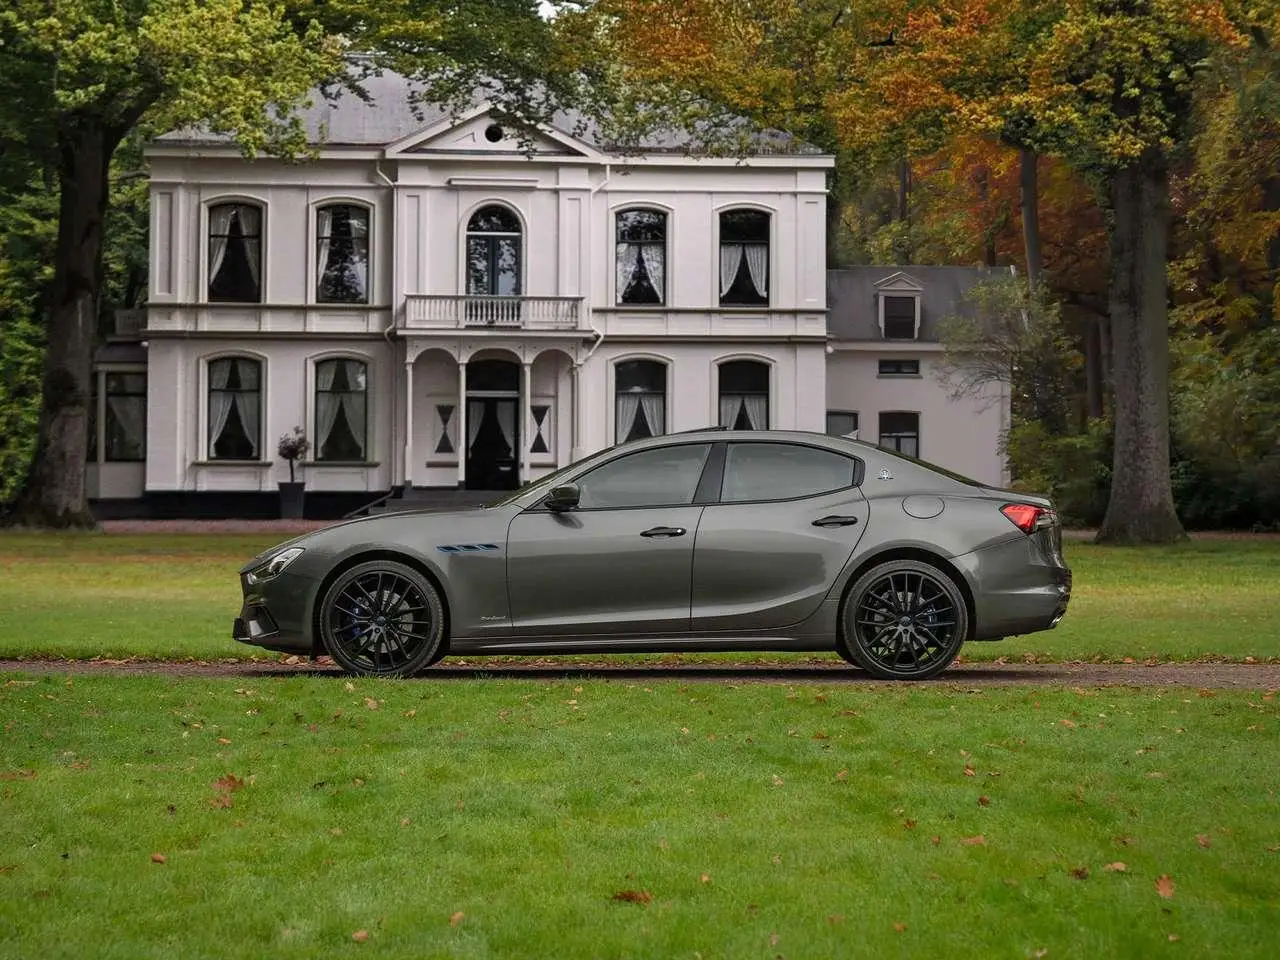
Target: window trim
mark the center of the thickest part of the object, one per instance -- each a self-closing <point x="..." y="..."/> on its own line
<point x="203" y="385"/>
<point x="770" y="299"/>
<point x="313" y="362"/>
<point x="770" y="362"/>
<point x="464" y="233"/>
<point x="707" y="464"/>
<point x="313" y="231"/>
<point x="881" y="297"/>
<point x="264" y="273"/>
<point x="665" y="293"/>
<point x="859" y="471"/>
<point x="611" y="434"/>
<point x="879" y="435"/>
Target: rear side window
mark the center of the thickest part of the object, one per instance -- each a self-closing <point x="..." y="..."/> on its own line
<point x="782" y="471"/>
<point x="662" y="477"/>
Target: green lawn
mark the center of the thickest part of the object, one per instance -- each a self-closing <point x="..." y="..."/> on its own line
<point x="85" y="595"/>
<point x="501" y="819"/>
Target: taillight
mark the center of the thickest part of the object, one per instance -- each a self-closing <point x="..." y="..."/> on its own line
<point x="1027" y="517"/>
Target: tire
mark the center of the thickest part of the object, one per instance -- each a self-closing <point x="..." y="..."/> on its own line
<point x="903" y="620"/>
<point x="382" y="619"/>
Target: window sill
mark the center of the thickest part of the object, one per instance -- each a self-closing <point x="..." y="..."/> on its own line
<point x="339" y="463"/>
<point x="743" y="306"/>
<point x="899" y="376"/>
<point x="106" y="460"/>
<point x="233" y="463"/>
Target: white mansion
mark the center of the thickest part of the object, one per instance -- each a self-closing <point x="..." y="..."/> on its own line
<point x="437" y="306"/>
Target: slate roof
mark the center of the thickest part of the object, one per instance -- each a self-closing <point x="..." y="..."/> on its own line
<point x="851" y="297"/>
<point x="391" y="114"/>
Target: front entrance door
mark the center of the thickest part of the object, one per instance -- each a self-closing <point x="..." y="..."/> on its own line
<point x="493" y="431"/>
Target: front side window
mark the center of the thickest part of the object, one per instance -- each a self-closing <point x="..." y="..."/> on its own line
<point x="235" y="408"/>
<point x="640" y="399"/>
<point x="125" y="421"/>
<point x="744" y="395"/>
<point x="666" y="476"/>
<point x="899" y="318"/>
<point x="782" y="471"/>
<point x="493" y="253"/>
<point x="342" y="421"/>
<point x="641" y="266"/>
<point x="744" y="258"/>
<point x="900" y="431"/>
<point x="235" y="253"/>
<point x="342" y="254"/>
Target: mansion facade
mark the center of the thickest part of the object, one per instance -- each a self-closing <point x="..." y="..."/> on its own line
<point x="439" y="305"/>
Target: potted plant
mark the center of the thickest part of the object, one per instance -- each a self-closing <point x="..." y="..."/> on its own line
<point x="292" y="448"/>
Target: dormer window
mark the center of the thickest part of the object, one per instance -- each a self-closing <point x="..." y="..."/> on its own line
<point x="899" y="316"/>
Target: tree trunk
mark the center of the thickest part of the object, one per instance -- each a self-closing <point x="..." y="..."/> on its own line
<point x="53" y="493"/>
<point x="1141" y="506"/>
<point x="1027" y="176"/>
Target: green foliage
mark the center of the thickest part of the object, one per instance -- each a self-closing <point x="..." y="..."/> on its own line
<point x="1075" y="470"/>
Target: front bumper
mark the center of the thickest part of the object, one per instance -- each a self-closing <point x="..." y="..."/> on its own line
<point x="274" y="616"/>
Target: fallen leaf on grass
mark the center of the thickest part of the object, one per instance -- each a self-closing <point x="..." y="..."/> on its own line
<point x="228" y="783"/>
<point x="1203" y="840"/>
<point x="633" y="896"/>
<point x="1174" y="938"/>
<point x="456" y="918"/>
<point x="224" y="741"/>
<point x="842" y="775"/>
<point x="984" y="801"/>
<point x="773" y="939"/>
<point x="835" y="918"/>
<point x="1117" y="867"/>
<point x="969" y="771"/>
<point x="935" y="839"/>
<point x="1164" y="886"/>
<point x="704" y="878"/>
<point x="978" y="841"/>
<point x="777" y="780"/>
<point x="371" y="703"/>
<point x="159" y="858"/>
<point x="360" y="936"/>
<point x="1067" y="723"/>
<point x="1080" y="873"/>
<point x="221" y="802"/>
<point x="909" y="824"/>
<point x="899" y="927"/>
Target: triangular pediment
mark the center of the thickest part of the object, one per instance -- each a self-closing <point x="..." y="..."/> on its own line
<point x="899" y="282"/>
<point x="478" y="132"/>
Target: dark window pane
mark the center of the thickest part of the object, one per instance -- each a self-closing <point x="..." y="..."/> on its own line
<point x="342" y="254"/>
<point x="235" y="253"/>
<point x="652" y="478"/>
<point x="900" y="318"/>
<point x="782" y="471"/>
<point x="493" y="375"/>
<point x="493" y="219"/>
<point x="234" y="409"/>
<point x="841" y="423"/>
<point x="899" y="368"/>
<point x="341" y="428"/>
<point x="744" y="258"/>
<point x="479" y="271"/>
<point x="900" y="431"/>
<point x="642" y="376"/>
<point x="744" y="226"/>
<point x="642" y="226"/>
<point x="744" y="376"/>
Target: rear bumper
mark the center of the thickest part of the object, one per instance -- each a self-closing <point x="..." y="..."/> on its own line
<point x="1018" y="587"/>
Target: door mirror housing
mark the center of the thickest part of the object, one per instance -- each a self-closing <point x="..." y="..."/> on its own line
<point x="562" y="498"/>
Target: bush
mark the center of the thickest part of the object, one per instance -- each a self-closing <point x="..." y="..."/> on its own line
<point x="1075" y="471"/>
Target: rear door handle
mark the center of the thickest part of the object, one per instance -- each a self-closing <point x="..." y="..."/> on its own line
<point x="835" y="521"/>
<point x="664" y="532"/>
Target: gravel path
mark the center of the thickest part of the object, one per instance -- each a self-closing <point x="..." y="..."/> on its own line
<point x="1210" y="676"/>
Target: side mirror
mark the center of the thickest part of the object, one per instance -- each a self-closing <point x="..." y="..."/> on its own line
<point x="562" y="498"/>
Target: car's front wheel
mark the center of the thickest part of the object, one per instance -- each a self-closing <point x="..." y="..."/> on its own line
<point x="903" y="620"/>
<point x="382" y="618"/>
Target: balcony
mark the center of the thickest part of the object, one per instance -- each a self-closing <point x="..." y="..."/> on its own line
<point x="424" y="312"/>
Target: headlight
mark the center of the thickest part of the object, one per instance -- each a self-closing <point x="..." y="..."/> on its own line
<point x="273" y="567"/>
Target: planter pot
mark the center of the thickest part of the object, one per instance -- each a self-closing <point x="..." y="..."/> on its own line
<point x="292" y="497"/>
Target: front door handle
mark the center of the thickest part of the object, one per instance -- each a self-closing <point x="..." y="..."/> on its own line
<point x="664" y="532"/>
<point x="835" y="521"/>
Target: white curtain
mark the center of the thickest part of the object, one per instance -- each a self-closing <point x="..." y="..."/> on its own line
<point x="353" y="405"/>
<point x="507" y="423"/>
<point x="219" y="225"/>
<point x="757" y="411"/>
<point x="327" y="403"/>
<point x="324" y="224"/>
<point x="654" y="407"/>
<point x="219" y="400"/>
<point x="757" y="255"/>
<point x="130" y="413"/>
<point x="627" y="405"/>
<point x="654" y="255"/>
<point x="628" y="264"/>
<point x="730" y="404"/>
<point x="475" y="410"/>
<point x="248" y="403"/>
<point x="730" y="257"/>
<point x="251" y="223"/>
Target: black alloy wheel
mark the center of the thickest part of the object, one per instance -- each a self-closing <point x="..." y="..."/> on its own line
<point x="903" y="620"/>
<point x="384" y="619"/>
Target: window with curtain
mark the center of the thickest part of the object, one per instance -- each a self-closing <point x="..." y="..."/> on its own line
<point x="744" y="258"/>
<point x="842" y="423"/>
<point x="493" y="252"/>
<point x="342" y="254"/>
<point x="342" y="422"/>
<point x="235" y="253"/>
<point x="640" y="399"/>
<point x="125" y="417"/>
<point x="744" y="395"/>
<point x="641" y="252"/>
<point x="899" y="318"/>
<point x="235" y="409"/>
<point x="900" y="431"/>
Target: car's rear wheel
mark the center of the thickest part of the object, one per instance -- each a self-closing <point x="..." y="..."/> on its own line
<point x="903" y="620"/>
<point x="382" y="618"/>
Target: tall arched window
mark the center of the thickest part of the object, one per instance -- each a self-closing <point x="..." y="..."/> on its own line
<point x="493" y="252"/>
<point x="342" y="253"/>
<point x="744" y="258"/>
<point x="641" y="252"/>
<point x="235" y="253"/>
<point x="342" y="417"/>
<point x="235" y="409"/>
<point x="640" y="399"/>
<point x="744" y="395"/>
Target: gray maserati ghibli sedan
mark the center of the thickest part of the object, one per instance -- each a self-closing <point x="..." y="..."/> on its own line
<point x="713" y="540"/>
